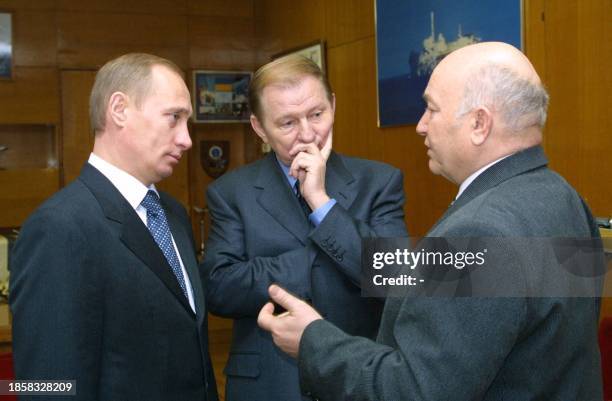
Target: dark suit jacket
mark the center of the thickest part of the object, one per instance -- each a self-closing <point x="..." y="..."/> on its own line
<point x="94" y="300"/>
<point x="260" y="236"/>
<point x="475" y="348"/>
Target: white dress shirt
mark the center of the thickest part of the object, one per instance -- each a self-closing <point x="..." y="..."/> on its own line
<point x="134" y="192"/>
<point x="466" y="183"/>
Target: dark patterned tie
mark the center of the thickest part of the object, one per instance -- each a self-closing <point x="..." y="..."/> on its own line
<point x="158" y="225"/>
<point x="303" y="204"/>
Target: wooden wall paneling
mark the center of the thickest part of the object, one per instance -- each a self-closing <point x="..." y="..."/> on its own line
<point x="534" y="35"/>
<point x="352" y="75"/>
<point x="222" y="8"/>
<point x="348" y="20"/>
<point x="88" y="40"/>
<point x="579" y="85"/>
<point x="77" y="138"/>
<point x="31" y="97"/>
<point x="34" y="38"/>
<point x="161" y="7"/>
<point x="224" y="43"/>
<point x="563" y="82"/>
<point x="594" y="60"/>
<point x="288" y="24"/>
<point x="29" y="146"/>
<point x="23" y="191"/>
<point x="17" y="5"/>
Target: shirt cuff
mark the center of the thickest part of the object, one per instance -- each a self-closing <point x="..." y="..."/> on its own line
<point x="317" y="216"/>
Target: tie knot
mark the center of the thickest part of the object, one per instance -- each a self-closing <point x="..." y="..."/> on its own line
<point x="151" y="202"/>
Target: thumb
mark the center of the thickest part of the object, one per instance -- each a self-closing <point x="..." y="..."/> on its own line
<point x="266" y="316"/>
<point x="284" y="298"/>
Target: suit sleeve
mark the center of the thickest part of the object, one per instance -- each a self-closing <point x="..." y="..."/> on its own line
<point x="339" y="235"/>
<point x="443" y="351"/>
<point x="430" y="348"/>
<point x="237" y="286"/>
<point x="55" y="301"/>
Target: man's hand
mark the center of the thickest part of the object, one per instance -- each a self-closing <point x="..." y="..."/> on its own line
<point x="288" y="327"/>
<point x="308" y="167"/>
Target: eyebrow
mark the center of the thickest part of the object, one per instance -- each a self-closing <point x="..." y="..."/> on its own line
<point x="428" y="99"/>
<point x="319" y="107"/>
<point x="181" y="110"/>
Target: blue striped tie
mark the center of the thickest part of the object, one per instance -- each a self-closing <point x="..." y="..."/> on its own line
<point x="158" y="225"/>
<point x="303" y="204"/>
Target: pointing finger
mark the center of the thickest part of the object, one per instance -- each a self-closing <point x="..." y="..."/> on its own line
<point x="284" y="298"/>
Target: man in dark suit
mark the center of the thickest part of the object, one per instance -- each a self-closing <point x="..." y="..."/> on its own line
<point x="105" y="288"/>
<point x="486" y="108"/>
<point x="296" y="218"/>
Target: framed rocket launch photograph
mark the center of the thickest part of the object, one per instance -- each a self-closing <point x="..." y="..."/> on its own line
<point x="412" y="36"/>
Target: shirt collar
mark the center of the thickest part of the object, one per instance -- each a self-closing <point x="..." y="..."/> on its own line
<point x="132" y="190"/>
<point x="466" y="183"/>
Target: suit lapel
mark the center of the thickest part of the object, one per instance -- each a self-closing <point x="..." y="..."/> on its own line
<point x="338" y="180"/>
<point x="133" y="233"/>
<point x="185" y="247"/>
<point x="277" y="198"/>
<point x="519" y="163"/>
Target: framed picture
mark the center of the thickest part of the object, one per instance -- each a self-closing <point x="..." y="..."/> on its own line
<point x="314" y="51"/>
<point x="221" y="96"/>
<point x="412" y="36"/>
<point x="6" y="45"/>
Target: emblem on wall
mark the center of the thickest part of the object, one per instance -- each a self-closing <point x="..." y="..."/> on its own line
<point x="214" y="157"/>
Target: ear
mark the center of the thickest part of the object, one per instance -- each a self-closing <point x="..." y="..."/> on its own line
<point x="117" y="108"/>
<point x="258" y="128"/>
<point x="481" y="121"/>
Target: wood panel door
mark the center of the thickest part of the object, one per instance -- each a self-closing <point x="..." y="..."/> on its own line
<point x="77" y="138"/>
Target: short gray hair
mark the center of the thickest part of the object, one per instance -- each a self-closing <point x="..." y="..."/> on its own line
<point x="520" y="102"/>
<point x="288" y="70"/>
<point x="131" y="74"/>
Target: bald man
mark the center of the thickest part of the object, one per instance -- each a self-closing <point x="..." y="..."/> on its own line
<point x="486" y="108"/>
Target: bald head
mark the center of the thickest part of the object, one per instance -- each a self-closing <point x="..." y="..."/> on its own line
<point x="470" y="58"/>
<point x="500" y="77"/>
<point x="484" y="102"/>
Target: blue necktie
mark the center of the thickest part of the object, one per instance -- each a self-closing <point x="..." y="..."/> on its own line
<point x="158" y="225"/>
<point x="303" y="204"/>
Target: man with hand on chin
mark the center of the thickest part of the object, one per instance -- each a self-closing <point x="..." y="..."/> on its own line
<point x="295" y="218"/>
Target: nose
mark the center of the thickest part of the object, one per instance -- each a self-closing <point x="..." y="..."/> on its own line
<point x="306" y="134"/>
<point x="421" y="127"/>
<point x="183" y="139"/>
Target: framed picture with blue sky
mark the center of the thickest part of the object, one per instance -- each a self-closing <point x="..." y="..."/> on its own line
<point x="413" y="35"/>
